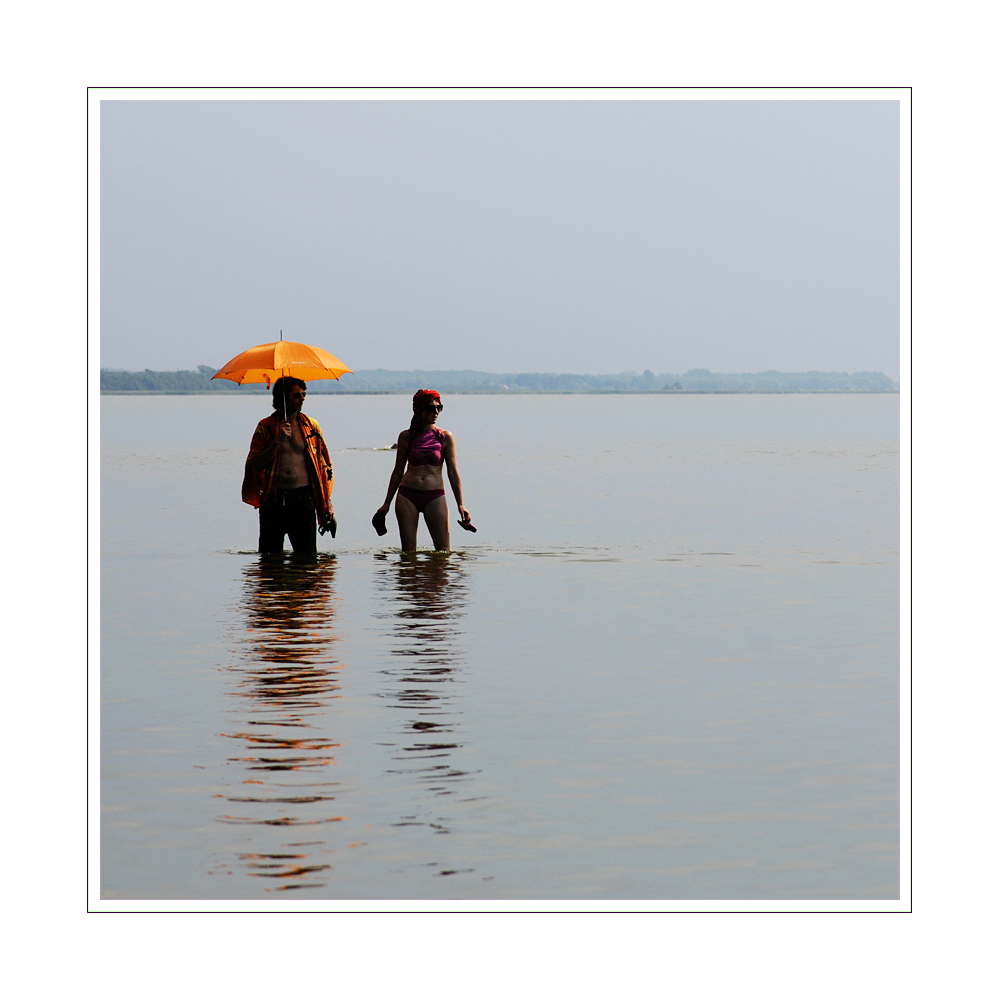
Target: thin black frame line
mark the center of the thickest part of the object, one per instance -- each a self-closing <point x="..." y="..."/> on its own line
<point x="417" y="86"/>
<point x="568" y="913"/>
<point x="87" y="503"/>
<point x="911" y="499"/>
<point x="86" y="563"/>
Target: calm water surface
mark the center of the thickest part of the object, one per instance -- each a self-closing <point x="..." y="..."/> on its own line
<point x="667" y="666"/>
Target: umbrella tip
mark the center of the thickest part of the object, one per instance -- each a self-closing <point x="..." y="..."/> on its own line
<point x="281" y="335"/>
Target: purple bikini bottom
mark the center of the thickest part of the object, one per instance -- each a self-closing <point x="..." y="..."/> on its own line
<point x="420" y="498"/>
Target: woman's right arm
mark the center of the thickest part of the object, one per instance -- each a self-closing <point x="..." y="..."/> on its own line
<point x="398" y="469"/>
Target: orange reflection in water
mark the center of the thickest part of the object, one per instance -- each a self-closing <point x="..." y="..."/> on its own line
<point x="287" y="679"/>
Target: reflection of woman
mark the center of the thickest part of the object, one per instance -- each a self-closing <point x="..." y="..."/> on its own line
<point x="422" y="451"/>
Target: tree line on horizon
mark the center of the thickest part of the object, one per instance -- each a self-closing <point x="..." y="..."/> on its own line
<point x="467" y="381"/>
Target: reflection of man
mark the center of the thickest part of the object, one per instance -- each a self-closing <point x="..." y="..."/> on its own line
<point x="288" y="474"/>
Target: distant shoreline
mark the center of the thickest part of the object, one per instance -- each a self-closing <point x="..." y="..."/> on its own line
<point x="382" y="382"/>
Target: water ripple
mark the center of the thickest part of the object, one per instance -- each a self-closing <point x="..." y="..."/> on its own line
<point x="423" y="600"/>
<point x="285" y="677"/>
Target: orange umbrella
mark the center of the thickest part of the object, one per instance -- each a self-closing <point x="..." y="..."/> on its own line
<point x="267" y="362"/>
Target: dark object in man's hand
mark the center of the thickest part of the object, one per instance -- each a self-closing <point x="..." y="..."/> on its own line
<point x="468" y="525"/>
<point x="378" y="522"/>
<point x="329" y="525"/>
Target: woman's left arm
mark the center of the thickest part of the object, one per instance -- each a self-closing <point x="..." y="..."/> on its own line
<point x="453" y="477"/>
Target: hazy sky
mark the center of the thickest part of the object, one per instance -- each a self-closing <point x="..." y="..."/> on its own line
<point x="589" y="237"/>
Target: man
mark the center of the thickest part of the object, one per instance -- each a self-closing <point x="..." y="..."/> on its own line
<point x="288" y="475"/>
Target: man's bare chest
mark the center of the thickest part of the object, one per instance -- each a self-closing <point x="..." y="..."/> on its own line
<point x="297" y="442"/>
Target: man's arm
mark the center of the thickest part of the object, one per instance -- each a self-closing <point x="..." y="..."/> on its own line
<point x="327" y="521"/>
<point x="263" y="458"/>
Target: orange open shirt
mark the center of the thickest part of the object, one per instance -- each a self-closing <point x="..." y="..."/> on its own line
<point x="263" y="485"/>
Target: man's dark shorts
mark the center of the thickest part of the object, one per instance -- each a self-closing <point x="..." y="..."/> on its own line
<point x="292" y="513"/>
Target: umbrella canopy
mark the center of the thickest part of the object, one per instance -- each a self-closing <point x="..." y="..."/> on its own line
<point x="267" y="362"/>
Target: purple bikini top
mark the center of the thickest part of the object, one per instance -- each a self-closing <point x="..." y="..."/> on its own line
<point x="426" y="448"/>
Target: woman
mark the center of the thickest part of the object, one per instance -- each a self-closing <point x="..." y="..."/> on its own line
<point x="427" y="449"/>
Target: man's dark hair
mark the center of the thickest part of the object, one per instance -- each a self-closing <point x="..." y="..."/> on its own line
<point x="281" y="386"/>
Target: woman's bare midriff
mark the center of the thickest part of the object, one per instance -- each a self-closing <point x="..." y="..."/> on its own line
<point x="423" y="477"/>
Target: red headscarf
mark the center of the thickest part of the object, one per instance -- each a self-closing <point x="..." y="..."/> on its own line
<point x="422" y="396"/>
